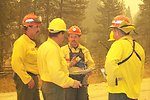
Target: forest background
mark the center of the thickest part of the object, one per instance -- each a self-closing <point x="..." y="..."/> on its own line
<point x="92" y="16"/>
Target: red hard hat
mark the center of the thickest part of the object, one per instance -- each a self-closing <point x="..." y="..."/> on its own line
<point x="31" y="19"/>
<point x="118" y="20"/>
<point x="74" y="30"/>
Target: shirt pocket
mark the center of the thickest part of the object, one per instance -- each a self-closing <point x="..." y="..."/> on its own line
<point x="31" y="56"/>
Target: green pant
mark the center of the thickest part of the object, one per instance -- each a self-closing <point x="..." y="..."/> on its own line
<point x="52" y="91"/>
<point x="118" y="96"/>
<point x="76" y="94"/>
<point x="23" y="92"/>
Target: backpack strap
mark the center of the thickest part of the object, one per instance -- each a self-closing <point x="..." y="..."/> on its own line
<point x="81" y="54"/>
<point x="131" y="54"/>
<point x="137" y="53"/>
<point x="69" y="49"/>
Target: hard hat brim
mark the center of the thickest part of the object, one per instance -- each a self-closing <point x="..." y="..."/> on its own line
<point x="56" y="31"/>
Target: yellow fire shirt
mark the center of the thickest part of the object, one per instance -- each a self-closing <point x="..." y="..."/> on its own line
<point x="52" y="65"/>
<point x="129" y="73"/>
<point x="24" y="58"/>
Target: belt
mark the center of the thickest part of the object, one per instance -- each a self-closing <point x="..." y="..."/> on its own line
<point x="47" y="82"/>
<point x="30" y="73"/>
<point x="78" y="75"/>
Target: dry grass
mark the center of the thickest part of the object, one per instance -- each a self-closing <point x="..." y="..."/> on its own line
<point x="147" y="70"/>
<point x="7" y="83"/>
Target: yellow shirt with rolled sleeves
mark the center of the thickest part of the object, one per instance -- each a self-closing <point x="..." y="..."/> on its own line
<point x="88" y="59"/>
<point x="52" y="65"/>
<point x="129" y="73"/>
<point x="24" y="58"/>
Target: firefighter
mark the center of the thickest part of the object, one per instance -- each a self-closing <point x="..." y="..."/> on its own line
<point x="79" y="58"/>
<point x="124" y="62"/>
<point x="24" y="59"/>
<point x="52" y="65"/>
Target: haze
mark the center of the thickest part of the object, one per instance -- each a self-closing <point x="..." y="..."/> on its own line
<point x="133" y="5"/>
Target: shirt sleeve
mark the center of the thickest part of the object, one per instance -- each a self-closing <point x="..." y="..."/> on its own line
<point x="111" y="63"/>
<point x="17" y="62"/>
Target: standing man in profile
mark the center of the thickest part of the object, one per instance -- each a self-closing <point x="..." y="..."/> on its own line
<point x="124" y="62"/>
<point x="79" y="59"/>
<point x="52" y="65"/>
<point x="24" y="59"/>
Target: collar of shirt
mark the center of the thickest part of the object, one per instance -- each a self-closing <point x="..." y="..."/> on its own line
<point x="128" y="37"/>
<point x="75" y="50"/>
<point x="28" y="39"/>
<point x="52" y="41"/>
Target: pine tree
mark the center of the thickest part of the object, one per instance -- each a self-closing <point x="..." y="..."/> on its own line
<point x="74" y="11"/>
<point x="128" y="13"/>
<point x="107" y="10"/>
<point x="7" y="24"/>
<point x="142" y="24"/>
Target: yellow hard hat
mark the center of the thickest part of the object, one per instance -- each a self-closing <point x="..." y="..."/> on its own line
<point x="126" y="27"/>
<point x="57" y="25"/>
<point x="111" y="36"/>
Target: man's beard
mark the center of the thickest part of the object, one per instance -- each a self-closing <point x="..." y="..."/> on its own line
<point x="74" y="44"/>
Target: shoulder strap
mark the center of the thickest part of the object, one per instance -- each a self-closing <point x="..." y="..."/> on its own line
<point x="81" y="54"/>
<point x="128" y="56"/>
<point x="136" y="53"/>
<point x="80" y="50"/>
<point x="131" y="54"/>
<point x="69" y="49"/>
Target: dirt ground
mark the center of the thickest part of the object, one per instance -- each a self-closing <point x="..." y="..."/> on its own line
<point x="97" y="87"/>
<point x="96" y="92"/>
<point x="7" y="83"/>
